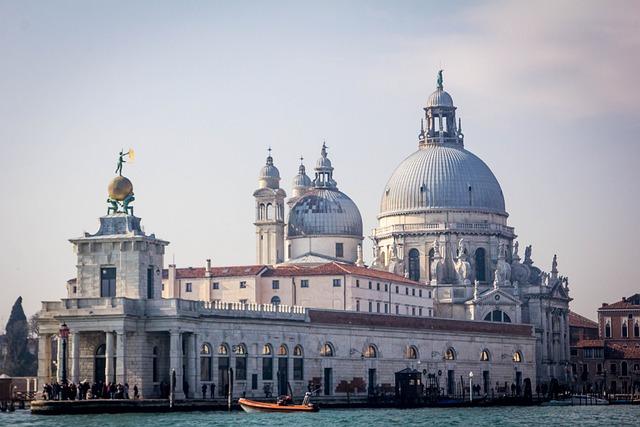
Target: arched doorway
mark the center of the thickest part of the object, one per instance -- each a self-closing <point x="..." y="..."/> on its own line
<point x="99" y="364"/>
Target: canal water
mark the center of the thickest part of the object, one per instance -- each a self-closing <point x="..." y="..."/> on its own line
<point x="621" y="415"/>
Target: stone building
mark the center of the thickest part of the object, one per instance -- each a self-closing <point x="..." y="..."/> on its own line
<point x="443" y="222"/>
<point x="442" y="250"/>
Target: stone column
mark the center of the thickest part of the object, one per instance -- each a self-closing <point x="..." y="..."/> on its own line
<point x="196" y="361"/>
<point x="563" y="337"/>
<point x="44" y="358"/>
<point x="108" y="358"/>
<point x="191" y="365"/>
<point x="121" y="357"/>
<point x="545" y="343"/>
<point x="59" y="359"/>
<point x="175" y="362"/>
<point x="74" y="353"/>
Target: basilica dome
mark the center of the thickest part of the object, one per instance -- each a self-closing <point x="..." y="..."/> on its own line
<point x="442" y="176"/>
<point x="324" y="212"/>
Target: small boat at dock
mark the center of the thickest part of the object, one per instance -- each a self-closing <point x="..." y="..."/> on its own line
<point x="282" y="405"/>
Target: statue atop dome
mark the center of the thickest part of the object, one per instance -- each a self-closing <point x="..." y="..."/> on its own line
<point x="121" y="189"/>
<point x="440" y="79"/>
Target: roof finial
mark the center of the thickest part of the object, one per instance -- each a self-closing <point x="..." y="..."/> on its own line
<point x="421" y="134"/>
<point x="301" y="159"/>
<point x="269" y="158"/>
<point x="440" y="79"/>
<point x="323" y="152"/>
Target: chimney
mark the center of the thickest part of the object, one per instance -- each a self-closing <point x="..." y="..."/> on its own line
<point x="171" y="281"/>
<point x="207" y="271"/>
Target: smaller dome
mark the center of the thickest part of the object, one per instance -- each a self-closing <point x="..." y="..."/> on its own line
<point x="302" y="180"/>
<point x="269" y="170"/>
<point x="324" y="212"/>
<point x="440" y="98"/>
<point x="119" y="188"/>
<point x="324" y="163"/>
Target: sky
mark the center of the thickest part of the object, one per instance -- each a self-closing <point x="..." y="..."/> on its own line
<point x="547" y="91"/>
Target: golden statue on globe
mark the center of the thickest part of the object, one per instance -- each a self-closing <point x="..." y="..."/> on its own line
<point x="120" y="188"/>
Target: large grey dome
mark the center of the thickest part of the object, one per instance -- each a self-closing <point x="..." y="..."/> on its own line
<point x="442" y="176"/>
<point x="324" y="212"/>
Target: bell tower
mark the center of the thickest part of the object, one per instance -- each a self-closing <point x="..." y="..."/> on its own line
<point x="269" y="215"/>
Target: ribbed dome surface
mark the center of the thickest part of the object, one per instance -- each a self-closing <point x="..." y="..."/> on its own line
<point x="440" y="177"/>
<point x="269" y="171"/>
<point x="440" y="98"/>
<point x="302" y="180"/>
<point x="324" y="212"/>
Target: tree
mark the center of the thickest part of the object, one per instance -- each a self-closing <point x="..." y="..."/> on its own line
<point x="17" y="360"/>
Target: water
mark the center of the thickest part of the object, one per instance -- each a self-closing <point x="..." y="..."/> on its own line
<point x="504" y="416"/>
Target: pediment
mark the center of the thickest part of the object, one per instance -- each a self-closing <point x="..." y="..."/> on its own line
<point x="496" y="297"/>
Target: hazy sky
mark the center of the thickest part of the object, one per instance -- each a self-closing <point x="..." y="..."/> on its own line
<point x="547" y="91"/>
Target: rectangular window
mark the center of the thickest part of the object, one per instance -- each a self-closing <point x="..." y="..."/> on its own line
<point x="386" y="308"/>
<point x="420" y="293"/>
<point x="267" y="369"/>
<point x="357" y="283"/>
<point x="413" y="311"/>
<point x="429" y="294"/>
<point x="397" y="289"/>
<point x="386" y="287"/>
<point x="406" y="291"/>
<point x="75" y="289"/>
<point x="188" y="287"/>
<point x="150" y="292"/>
<point x="377" y="286"/>
<point x="430" y="313"/>
<point x="397" y="309"/>
<point x="413" y="292"/>
<point x="108" y="282"/>
<point x="420" y="312"/>
<point x="370" y="306"/>
<point x="304" y="283"/>
<point x="216" y="285"/>
<point x="243" y="285"/>
<point x="370" y="285"/>
<point x="357" y="305"/>
<point x="298" y="369"/>
<point x="337" y="283"/>
<point x="241" y="368"/>
<point x="275" y="284"/>
<point x="378" y="307"/>
<point x="339" y="250"/>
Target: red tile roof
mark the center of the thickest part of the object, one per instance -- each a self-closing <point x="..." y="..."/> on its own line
<point x="619" y="350"/>
<point x="336" y="268"/>
<point x="578" y="321"/>
<point x="633" y="302"/>
<point x="232" y="271"/>
<point x="418" y="323"/>
<point x="589" y="343"/>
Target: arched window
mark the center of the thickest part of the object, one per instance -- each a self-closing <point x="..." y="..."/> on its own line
<point x="497" y="316"/>
<point x="205" y="362"/>
<point x="370" y="352"/>
<point x="269" y="211"/>
<point x="625" y="332"/>
<point x="298" y="363"/>
<point x="327" y="350"/>
<point x="275" y="300"/>
<point x="241" y="362"/>
<point x="431" y="256"/>
<point x="414" y="265"/>
<point x="607" y="330"/>
<point x="267" y="362"/>
<point x="411" y="352"/>
<point x="485" y="356"/>
<point x="481" y="265"/>
<point x="223" y="350"/>
<point x="283" y="350"/>
<point x="155" y="375"/>
<point x="517" y="357"/>
<point x="450" y="354"/>
<point x="262" y="211"/>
